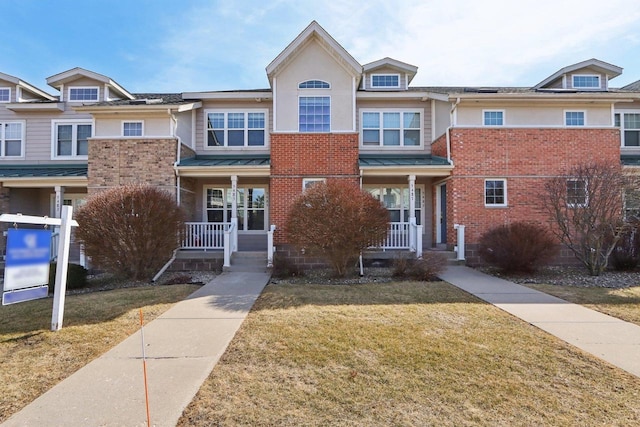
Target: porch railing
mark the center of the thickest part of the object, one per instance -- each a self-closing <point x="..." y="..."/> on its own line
<point x="397" y="236"/>
<point x="204" y="235"/>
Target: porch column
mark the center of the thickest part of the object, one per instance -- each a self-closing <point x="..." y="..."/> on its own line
<point x="234" y="208"/>
<point x="413" y="238"/>
<point x="59" y="201"/>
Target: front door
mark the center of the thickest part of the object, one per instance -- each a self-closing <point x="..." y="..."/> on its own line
<point x="251" y="207"/>
<point x="442" y="227"/>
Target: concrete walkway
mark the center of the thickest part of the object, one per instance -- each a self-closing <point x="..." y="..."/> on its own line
<point x="606" y="337"/>
<point x="182" y="347"/>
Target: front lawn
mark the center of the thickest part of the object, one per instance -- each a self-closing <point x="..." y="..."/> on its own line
<point x="403" y="353"/>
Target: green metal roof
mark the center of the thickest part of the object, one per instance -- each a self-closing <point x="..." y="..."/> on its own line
<point x="42" y="171"/>
<point x="212" y="160"/>
<point x="372" y="160"/>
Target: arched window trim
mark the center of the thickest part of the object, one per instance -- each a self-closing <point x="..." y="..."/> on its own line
<point x="314" y="84"/>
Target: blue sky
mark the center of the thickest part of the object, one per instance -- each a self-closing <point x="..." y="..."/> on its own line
<point x="197" y="45"/>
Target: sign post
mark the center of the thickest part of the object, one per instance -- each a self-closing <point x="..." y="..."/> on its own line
<point x="65" y="222"/>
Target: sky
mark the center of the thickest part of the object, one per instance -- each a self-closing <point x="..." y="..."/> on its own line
<point x="204" y="45"/>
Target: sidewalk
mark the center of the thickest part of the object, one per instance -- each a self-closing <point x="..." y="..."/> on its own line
<point x="182" y="347"/>
<point x="605" y="337"/>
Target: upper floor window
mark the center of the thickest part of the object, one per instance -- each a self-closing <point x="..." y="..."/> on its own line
<point x="391" y="128"/>
<point x="314" y="114"/>
<point x="314" y="84"/>
<point x="236" y="128"/>
<point x="310" y="182"/>
<point x="495" y="192"/>
<point x="586" y="81"/>
<point x="83" y="94"/>
<point x="71" y="138"/>
<point x="11" y="139"/>
<point x="132" y="128"/>
<point x="629" y="128"/>
<point x="574" y="118"/>
<point x="5" y="94"/>
<point x="385" y="80"/>
<point x="493" y="118"/>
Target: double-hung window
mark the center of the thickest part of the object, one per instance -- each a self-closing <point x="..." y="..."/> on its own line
<point x="495" y="192"/>
<point x="132" y="128"/>
<point x="577" y="196"/>
<point x="493" y="118"/>
<point x="574" y="118"/>
<point x="236" y="128"/>
<point x="83" y="94"/>
<point x="314" y="114"/>
<point x="629" y="124"/>
<point x="11" y="139"/>
<point x="391" y="128"/>
<point x="71" y="138"/>
<point x="5" y="94"/>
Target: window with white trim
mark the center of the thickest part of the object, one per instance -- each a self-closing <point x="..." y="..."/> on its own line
<point x="5" y="94"/>
<point x="71" y="138"/>
<point x="396" y="201"/>
<point x="495" y="192"/>
<point x="574" y="118"/>
<point x="493" y="117"/>
<point x="11" y="139"/>
<point x="387" y="128"/>
<point x="629" y="124"/>
<point x="577" y="196"/>
<point x="314" y="84"/>
<point x="586" y="81"/>
<point x="236" y="128"/>
<point x="385" y="80"/>
<point x="314" y="114"/>
<point x="310" y="182"/>
<point x="83" y="94"/>
<point x="132" y="128"/>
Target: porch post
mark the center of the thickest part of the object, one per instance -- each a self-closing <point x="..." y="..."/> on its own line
<point x="234" y="208"/>
<point x="413" y="238"/>
<point x="59" y="201"/>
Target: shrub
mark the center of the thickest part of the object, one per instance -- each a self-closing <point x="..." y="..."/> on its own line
<point x="626" y="254"/>
<point x="337" y="220"/>
<point x="76" y="276"/>
<point x="284" y="268"/>
<point x="426" y="268"/>
<point x="130" y="231"/>
<point x="517" y="247"/>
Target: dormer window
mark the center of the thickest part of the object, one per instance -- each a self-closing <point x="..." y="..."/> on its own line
<point x="83" y="94"/>
<point x="385" y="80"/>
<point x="586" y="81"/>
<point x="314" y="84"/>
<point x="5" y="94"/>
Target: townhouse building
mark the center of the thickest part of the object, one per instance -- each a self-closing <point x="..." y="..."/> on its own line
<point x="437" y="157"/>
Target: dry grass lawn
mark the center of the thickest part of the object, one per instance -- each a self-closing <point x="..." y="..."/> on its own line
<point x="622" y="303"/>
<point x="33" y="359"/>
<point x="403" y="354"/>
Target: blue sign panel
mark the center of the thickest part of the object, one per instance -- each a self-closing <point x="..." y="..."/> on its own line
<point x="27" y="260"/>
<point x="22" y="295"/>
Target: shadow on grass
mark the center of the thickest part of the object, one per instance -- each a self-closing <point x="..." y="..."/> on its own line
<point x="87" y="309"/>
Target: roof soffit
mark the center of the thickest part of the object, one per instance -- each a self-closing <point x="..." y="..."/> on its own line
<point x="27" y="87"/>
<point x="314" y="32"/>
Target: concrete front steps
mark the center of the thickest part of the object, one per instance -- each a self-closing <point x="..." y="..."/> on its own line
<point x="248" y="262"/>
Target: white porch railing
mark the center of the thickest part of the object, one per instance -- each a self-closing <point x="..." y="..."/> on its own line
<point x="204" y="235"/>
<point x="397" y="236"/>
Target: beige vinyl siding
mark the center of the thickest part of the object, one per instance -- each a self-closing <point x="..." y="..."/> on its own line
<point x="535" y="116"/>
<point x="38" y="133"/>
<point x="423" y="107"/>
<point x="230" y="105"/>
<point x="314" y="62"/>
<point x="184" y="129"/>
<point x="442" y="118"/>
<point x="110" y="126"/>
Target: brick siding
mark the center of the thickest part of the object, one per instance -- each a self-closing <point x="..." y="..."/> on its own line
<point x="306" y="155"/>
<point x="526" y="158"/>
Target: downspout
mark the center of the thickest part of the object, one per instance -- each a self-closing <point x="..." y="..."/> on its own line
<point x="452" y="121"/>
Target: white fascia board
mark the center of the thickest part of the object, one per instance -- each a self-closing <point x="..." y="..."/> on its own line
<point x="402" y="95"/>
<point x="22" y="182"/>
<point x="141" y="108"/>
<point x="228" y="95"/>
<point x="35" y="106"/>
<point x="216" y="171"/>
<point x="541" y="96"/>
<point x="431" y="171"/>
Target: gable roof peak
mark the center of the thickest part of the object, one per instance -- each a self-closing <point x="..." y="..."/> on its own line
<point x="314" y="30"/>
<point x="601" y="66"/>
<point x="57" y="80"/>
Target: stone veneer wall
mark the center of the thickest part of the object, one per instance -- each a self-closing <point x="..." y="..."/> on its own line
<point x="115" y="162"/>
<point x="526" y="158"/>
<point x="307" y="155"/>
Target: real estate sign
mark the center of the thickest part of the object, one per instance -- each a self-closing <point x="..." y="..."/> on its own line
<point x="26" y="273"/>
